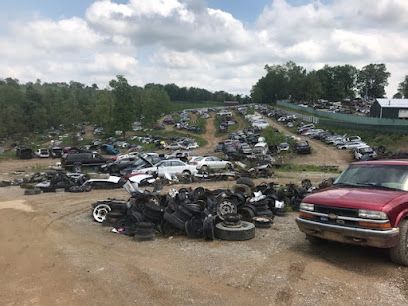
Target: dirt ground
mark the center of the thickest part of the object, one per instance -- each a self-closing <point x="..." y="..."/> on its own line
<point x="54" y="254"/>
<point x="322" y="154"/>
<point x="209" y="135"/>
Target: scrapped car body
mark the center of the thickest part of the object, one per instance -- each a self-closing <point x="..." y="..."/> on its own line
<point x="367" y="205"/>
<point x="42" y="153"/>
<point x="302" y="147"/>
<point x="364" y="153"/>
<point x="170" y="167"/>
<point x="211" y="162"/>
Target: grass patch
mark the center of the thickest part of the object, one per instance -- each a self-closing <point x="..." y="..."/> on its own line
<point x="8" y="155"/>
<point x="307" y="168"/>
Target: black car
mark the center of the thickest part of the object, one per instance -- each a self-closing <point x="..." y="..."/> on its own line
<point x="77" y="160"/>
<point x="302" y="147"/>
<point x="24" y="153"/>
<point x="56" y="152"/>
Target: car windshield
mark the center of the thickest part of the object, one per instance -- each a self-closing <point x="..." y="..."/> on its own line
<point x="376" y="176"/>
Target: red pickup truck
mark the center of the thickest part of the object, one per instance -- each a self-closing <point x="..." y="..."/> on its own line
<point x="366" y="205"/>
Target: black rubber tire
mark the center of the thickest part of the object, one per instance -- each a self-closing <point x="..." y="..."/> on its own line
<point x="246" y="181"/>
<point x="399" y="253"/>
<point x="245" y="232"/>
<point x="262" y="222"/>
<point x="186" y="173"/>
<point x="174" y="221"/>
<point x="204" y="168"/>
<point x="242" y="188"/>
<point x="247" y="213"/>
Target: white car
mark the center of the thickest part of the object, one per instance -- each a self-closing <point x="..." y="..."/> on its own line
<point x="350" y="145"/>
<point x="170" y="167"/>
<point x="211" y="162"/>
<point x="364" y="152"/>
<point x="42" y="153"/>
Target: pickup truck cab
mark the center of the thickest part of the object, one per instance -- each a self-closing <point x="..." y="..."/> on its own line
<point x="367" y="205"/>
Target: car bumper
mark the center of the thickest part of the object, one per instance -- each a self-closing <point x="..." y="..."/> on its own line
<point x="358" y="236"/>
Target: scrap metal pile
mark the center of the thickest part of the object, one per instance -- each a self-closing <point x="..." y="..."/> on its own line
<point x="198" y="213"/>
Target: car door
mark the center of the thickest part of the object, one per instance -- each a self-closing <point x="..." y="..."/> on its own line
<point x="164" y="167"/>
<point x="216" y="163"/>
<point x="177" y="167"/>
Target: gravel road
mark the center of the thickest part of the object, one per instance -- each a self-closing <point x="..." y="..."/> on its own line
<point x="53" y="253"/>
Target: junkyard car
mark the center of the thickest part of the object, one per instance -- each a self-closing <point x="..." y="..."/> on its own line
<point x="302" y="147"/>
<point x="367" y="205"/>
<point x="42" y="153"/>
<point x="364" y="153"/>
<point x="171" y="167"/>
<point x="211" y="162"/>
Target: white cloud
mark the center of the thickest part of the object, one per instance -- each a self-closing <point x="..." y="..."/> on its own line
<point x="188" y="43"/>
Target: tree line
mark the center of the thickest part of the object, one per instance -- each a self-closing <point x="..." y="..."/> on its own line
<point x="332" y="83"/>
<point x="37" y="106"/>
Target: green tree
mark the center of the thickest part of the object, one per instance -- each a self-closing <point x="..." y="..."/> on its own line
<point x="403" y="87"/>
<point x="312" y="87"/>
<point x="372" y="80"/>
<point x="155" y="102"/>
<point x="122" y="110"/>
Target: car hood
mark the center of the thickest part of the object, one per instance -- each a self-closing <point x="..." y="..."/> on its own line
<point x="364" y="198"/>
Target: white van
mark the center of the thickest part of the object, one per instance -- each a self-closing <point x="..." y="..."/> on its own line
<point x="261" y="148"/>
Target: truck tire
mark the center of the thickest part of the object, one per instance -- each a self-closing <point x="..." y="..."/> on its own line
<point x="245" y="232"/>
<point x="399" y="253"/>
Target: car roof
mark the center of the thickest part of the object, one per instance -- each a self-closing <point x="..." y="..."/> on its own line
<point x="394" y="162"/>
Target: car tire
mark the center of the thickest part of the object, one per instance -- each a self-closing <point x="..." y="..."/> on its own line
<point x="399" y="253"/>
<point x="245" y="232"/>
<point x="186" y="173"/>
<point x="241" y="188"/>
<point x="246" y="181"/>
<point x="204" y="168"/>
<point x="100" y="212"/>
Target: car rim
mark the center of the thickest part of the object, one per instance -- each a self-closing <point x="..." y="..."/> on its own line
<point x="100" y="212"/>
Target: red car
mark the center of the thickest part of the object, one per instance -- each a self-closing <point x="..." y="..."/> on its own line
<point x="366" y="205"/>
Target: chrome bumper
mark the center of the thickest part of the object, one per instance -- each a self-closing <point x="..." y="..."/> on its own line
<point x="359" y="236"/>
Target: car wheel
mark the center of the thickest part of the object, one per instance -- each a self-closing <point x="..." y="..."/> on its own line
<point x="399" y="253"/>
<point x="100" y="212"/>
<point x="186" y="173"/>
<point x="245" y="232"/>
<point x="204" y="168"/>
<point x="228" y="166"/>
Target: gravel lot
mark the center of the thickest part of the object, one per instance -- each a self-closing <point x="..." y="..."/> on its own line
<point x="53" y="253"/>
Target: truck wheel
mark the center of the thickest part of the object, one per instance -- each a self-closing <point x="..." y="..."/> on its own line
<point x="399" y="253"/>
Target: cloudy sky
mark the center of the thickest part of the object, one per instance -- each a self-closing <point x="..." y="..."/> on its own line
<point x="215" y="44"/>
